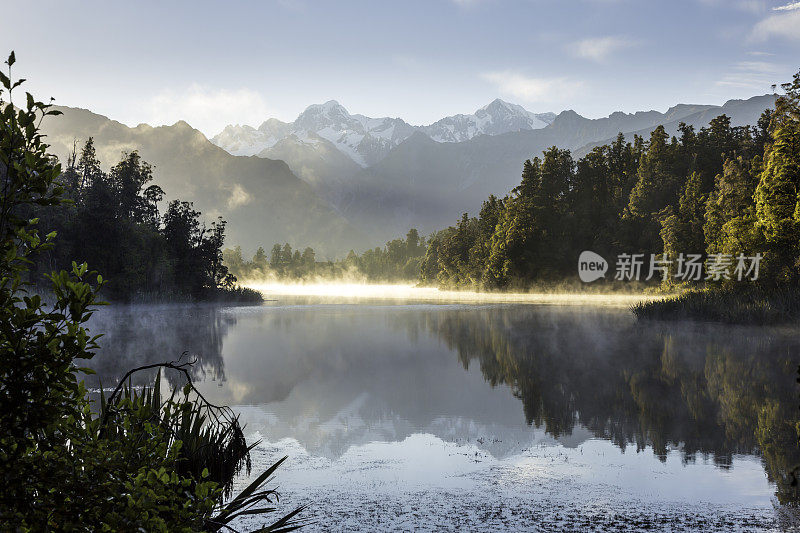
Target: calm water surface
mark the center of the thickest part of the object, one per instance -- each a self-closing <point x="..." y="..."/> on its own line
<point x="399" y="415"/>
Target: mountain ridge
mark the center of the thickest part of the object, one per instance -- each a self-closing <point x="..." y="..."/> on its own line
<point x="261" y="199"/>
<point x="306" y="190"/>
<point x="367" y="140"/>
<point x="458" y="177"/>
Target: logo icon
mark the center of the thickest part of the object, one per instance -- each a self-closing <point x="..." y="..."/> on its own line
<point x="591" y="266"/>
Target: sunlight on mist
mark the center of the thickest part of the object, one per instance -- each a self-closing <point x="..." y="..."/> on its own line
<point x="431" y="294"/>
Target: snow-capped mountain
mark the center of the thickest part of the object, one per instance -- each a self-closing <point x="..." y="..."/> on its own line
<point x="247" y="140"/>
<point x="494" y="119"/>
<point x="367" y="140"/>
<point x="363" y="139"/>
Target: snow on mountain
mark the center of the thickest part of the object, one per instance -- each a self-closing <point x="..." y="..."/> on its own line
<point x="242" y="140"/>
<point x="367" y="140"/>
<point x="494" y="119"/>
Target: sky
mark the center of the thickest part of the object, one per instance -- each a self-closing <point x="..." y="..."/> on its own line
<point x="241" y="62"/>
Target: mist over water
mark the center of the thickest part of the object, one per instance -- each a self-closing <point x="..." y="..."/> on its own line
<point x="409" y="391"/>
<point x="413" y="293"/>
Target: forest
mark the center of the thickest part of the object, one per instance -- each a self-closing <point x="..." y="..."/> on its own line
<point x="692" y="194"/>
<point x="721" y="193"/>
<point x="398" y="260"/>
<point x="113" y="222"/>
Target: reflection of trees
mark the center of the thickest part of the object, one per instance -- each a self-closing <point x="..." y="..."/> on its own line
<point x="706" y="389"/>
<point x="139" y="335"/>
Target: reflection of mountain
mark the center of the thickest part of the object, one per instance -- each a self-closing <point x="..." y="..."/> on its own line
<point x="336" y="377"/>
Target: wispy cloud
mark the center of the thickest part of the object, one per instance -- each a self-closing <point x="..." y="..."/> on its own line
<point x="756" y="76"/>
<point x="466" y="3"/>
<point x="784" y="25"/>
<point x="749" y="6"/>
<point x="788" y="7"/>
<point x="206" y="109"/>
<point x="752" y="6"/>
<point x="533" y="90"/>
<point x="599" y="49"/>
<point x="406" y="61"/>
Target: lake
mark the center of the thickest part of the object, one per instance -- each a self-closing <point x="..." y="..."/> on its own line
<point x="421" y="412"/>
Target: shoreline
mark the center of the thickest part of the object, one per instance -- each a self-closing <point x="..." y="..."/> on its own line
<point x="410" y="292"/>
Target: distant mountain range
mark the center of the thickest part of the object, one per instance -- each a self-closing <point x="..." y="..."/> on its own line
<point x="335" y="181"/>
<point x="367" y="140"/>
<point x="426" y="176"/>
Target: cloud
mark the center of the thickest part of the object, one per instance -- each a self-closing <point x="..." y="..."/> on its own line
<point x="238" y="197"/>
<point x="785" y="25"/>
<point x="406" y="61"/>
<point x="206" y="109"/>
<point x="749" y="6"/>
<point x="788" y="7"/>
<point x="599" y="49"/>
<point x="533" y="90"/>
<point x="752" y="75"/>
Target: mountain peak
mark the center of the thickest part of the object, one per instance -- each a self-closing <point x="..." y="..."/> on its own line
<point x="316" y="117"/>
<point x="331" y="107"/>
<point x="495" y="118"/>
<point x="366" y="140"/>
<point x="498" y="105"/>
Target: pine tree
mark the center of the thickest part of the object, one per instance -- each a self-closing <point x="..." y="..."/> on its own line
<point x="777" y="207"/>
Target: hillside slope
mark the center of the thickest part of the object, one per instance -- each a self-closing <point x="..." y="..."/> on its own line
<point x="262" y="200"/>
<point x="429" y="184"/>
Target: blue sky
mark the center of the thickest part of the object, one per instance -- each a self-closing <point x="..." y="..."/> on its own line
<point x="213" y="63"/>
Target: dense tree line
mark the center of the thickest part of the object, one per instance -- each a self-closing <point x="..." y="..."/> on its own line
<point x="114" y="223"/>
<point x="399" y="260"/>
<point x="720" y="190"/>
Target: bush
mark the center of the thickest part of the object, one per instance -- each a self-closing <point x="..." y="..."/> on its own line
<point x="139" y="463"/>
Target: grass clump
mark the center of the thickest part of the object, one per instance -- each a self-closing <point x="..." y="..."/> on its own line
<point x="733" y="306"/>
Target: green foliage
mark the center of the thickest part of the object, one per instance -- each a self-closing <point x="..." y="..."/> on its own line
<point x="730" y="207"/>
<point x="754" y="305"/>
<point x="114" y="222"/>
<point x="140" y="464"/>
<point x="777" y="206"/>
<point x="720" y="190"/>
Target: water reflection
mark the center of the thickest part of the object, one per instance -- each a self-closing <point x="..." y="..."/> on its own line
<point x="705" y="389"/>
<point x="502" y="376"/>
<point x="138" y="335"/>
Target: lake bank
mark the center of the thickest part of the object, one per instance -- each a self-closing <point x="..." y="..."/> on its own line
<point x="757" y="307"/>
